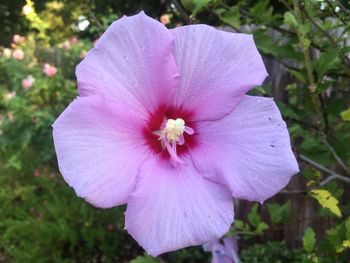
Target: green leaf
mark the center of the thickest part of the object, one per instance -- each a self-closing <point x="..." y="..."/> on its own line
<point x="253" y="216"/>
<point x="346" y="243"/>
<point x="239" y="224"/>
<point x="290" y="20"/>
<point x="144" y="259"/>
<point x="309" y="143"/>
<point x="265" y="43"/>
<point x="262" y="226"/>
<point x="309" y="240"/>
<point x="326" y="61"/>
<point x="298" y="75"/>
<point x="230" y="17"/>
<point x="189" y="5"/>
<point x="326" y="200"/>
<point x="260" y="7"/>
<point x="200" y="5"/>
<point x="347" y="225"/>
<point x="334" y="238"/>
<point x="195" y="6"/>
<point x="304" y="28"/>
<point x="345" y="115"/>
<point x="287" y="111"/>
<point x="279" y="213"/>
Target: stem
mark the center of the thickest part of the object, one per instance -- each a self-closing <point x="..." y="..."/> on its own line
<point x="336" y="156"/>
<point x="342" y="57"/>
<point x="333" y="177"/>
<point x="335" y="13"/>
<point x="321" y="168"/>
<point x="324" y="113"/>
<point x="308" y="65"/>
<point x="305" y="49"/>
<point x="182" y="12"/>
<point x="293" y="192"/>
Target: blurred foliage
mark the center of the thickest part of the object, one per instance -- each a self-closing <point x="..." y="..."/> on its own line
<point x="41" y="219"/>
<point x="272" y="252"/>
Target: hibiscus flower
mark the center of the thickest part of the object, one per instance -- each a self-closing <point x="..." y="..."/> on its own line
<point x="162" y="124"/>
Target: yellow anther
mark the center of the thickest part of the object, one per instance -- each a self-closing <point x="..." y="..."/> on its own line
<point x="174" y="129"/>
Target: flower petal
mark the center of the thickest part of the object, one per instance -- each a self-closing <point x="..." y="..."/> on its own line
<point x="133" y="61"/>
<point x="174" y="208"/>
<point x="248" y="150"/>
<point x="99" y="149"/>
<point x="220" y="254"/>
<point x="217" y="68"/>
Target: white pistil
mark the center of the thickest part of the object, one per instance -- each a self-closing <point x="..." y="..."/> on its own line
<point x="172" y="135"/>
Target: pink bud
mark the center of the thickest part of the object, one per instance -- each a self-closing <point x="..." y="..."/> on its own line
<point x="165" y="19"/>
<point x="18" y="39"/>
<point x="74" y="40"/>
<point x="18" y="54"/>
<point x="28" y="82"/>
<point x="49" y="70"/>
<point x="36" y="173"/>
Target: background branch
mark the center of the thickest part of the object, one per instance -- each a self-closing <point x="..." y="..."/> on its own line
<point x="333" y="175"/>
<point x="182" y="12"/>
<point x="336" y="156"/>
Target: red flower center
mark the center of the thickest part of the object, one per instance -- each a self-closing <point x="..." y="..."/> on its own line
<point x="155" y="125"/>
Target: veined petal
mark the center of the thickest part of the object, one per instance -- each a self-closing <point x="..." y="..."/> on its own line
<point x="132" y="61"/>
<point x="249" y="150"/>
<point x="217" y="68"/>
<point x="174" y="208"/>
<point x="220" y="254"/>
<point x="99" y="148"/>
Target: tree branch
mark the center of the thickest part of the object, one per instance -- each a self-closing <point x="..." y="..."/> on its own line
<point x="336" y="156"/>
<point x="182" y="12"/>
<point x="342" y="57"/>
<point x="333" y="175"/>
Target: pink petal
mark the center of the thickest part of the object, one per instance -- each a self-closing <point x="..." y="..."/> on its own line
<point x="174" y="208"/>
<point x="99" y="149"/>
<point x="133" y="61"/>
<point x="216" y="68"/>
<point x="248" y="150"/>
<point x="220" y="254"/>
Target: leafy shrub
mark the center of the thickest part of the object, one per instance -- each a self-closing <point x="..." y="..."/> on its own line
<point x="41" y="219"/>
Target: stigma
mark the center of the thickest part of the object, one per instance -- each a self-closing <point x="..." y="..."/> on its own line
<point x="171" y="134"/>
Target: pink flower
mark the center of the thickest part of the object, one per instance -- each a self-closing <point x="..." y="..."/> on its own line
<point x="73" y="40"/>
<point x="28" y="82"/>
<point x="49" y="70"/>
<point x="163" y="125"/>
<point x="165" y="19"/>
<point x="18" y="54"/>
<point x="36" y="173"/>
<point x="18" y="39"/>
<point x="223" y="253"/>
